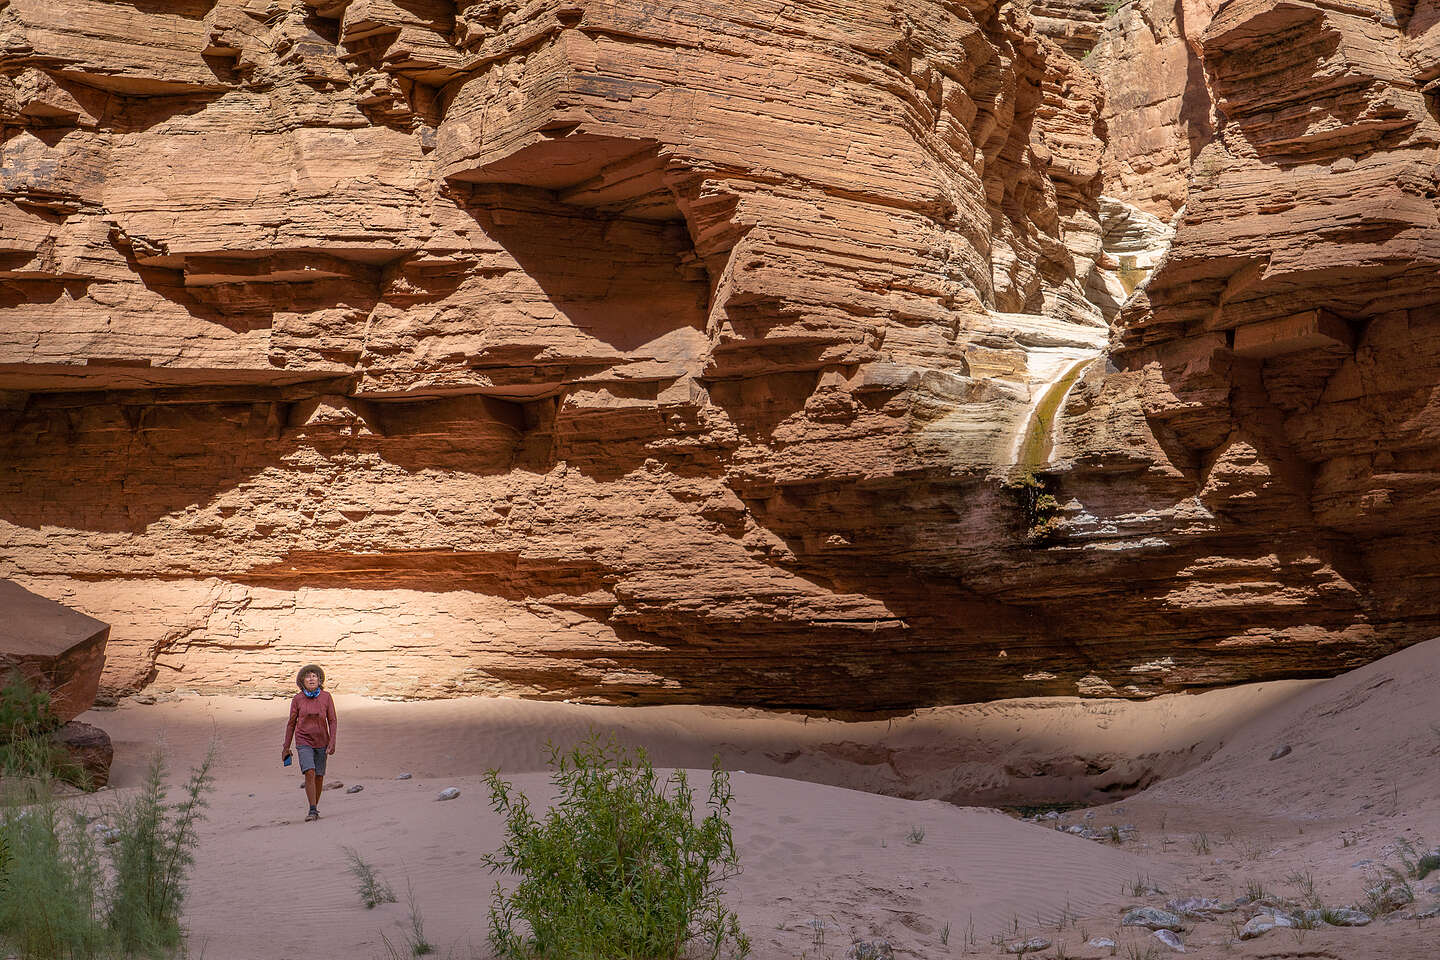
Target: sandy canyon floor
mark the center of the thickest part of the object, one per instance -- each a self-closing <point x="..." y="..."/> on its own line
<point x="828" y="858"/>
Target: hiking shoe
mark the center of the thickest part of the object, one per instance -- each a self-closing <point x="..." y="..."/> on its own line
<point x="312" y="815"/>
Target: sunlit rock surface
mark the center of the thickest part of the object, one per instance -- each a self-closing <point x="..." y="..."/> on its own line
<point x="681" y="352"/>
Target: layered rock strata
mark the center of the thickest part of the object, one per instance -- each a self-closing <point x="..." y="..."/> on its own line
<point x="1157" y="112"/>
<point x="1275" y="375"/>
<point x="652" y="352"/>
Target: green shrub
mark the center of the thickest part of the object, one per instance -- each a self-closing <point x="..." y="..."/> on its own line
<point x="26" y="722"/>
<point x="619" y="868"/>
<point x="153" y="855"/>
<point x="53" y="886"/>
<point x="60" y="903"/>
<point x="24" y="709"/>
<point x="1038" y="506"/>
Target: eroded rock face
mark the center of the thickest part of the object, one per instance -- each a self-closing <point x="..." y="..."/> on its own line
<point x="1276" y="372"/>
<point x="648" y="352"/>
<point x="1157" y="104"/>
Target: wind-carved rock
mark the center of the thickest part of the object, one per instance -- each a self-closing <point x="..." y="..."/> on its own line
<point x="634" y="351"/>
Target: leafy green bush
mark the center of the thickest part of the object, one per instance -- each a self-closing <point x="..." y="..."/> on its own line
<point x="619" y="868"/>
<point x="1038" y="505"/>
<point x="24" y="709"/>
<point x="53" y="885"/>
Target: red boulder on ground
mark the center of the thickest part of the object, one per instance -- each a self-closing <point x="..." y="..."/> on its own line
<point x="58" y="649"/>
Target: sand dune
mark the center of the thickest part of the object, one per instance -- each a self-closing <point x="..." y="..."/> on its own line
<point x="825" y="864"/>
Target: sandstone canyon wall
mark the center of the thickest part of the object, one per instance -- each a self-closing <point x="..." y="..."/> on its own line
<point x="683" y="352"/>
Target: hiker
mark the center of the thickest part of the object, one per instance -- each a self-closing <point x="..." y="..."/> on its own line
<point x="313" y="725"/>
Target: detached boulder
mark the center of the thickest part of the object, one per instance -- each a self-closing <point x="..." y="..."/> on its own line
<point x="59" y="650"/>
<point x="89" y="750"/>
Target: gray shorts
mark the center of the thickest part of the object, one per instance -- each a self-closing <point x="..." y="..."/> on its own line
<point x="311" y="758"/>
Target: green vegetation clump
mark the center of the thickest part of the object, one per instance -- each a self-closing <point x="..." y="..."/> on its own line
<point x="620" y="868"/>
<point x="152" y="856"/>
<point x="1038" y="506"/>
<point x="61" y="903"/>
<point x="27" y="752"/>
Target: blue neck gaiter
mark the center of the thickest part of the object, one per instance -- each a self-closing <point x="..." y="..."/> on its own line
<point x="312" y="694"/>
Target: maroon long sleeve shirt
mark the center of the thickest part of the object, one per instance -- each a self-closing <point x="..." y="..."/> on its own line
<point x="312" y="721"/>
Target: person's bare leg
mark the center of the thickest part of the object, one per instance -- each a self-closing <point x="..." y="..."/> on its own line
<point x="319" y="786"/>
<point x="312" y="789"/>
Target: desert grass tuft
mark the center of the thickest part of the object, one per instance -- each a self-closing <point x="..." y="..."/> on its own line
<point x="415" y="936"/>
<point x="373" y="890"/>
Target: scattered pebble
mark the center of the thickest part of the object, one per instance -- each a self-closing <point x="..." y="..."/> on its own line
<point x="355" y="789"/>
<point x="449" y="793"/>
<point x="1033" y="945"/>
<point x="1170" y="940"/>
<point x="146" y="699"/>
<point x="1281" y="751"/>
<point x="1263" y="923"/>
<point x="1202" y="907"/>
<point x="1101" y="943"/>
<point x="404" y="776"/>
<point x="336" y="785"/>
<point x="1152" y="918"/>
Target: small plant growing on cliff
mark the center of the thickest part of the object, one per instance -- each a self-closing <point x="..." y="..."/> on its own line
<point x="1037" y="505"/>
<point x="619" y="866"/>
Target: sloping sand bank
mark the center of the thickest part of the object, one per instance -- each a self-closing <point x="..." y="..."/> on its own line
<point x="823" y="864"/>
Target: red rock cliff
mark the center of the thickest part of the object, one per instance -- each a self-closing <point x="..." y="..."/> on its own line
<point x="679" y="351"/>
